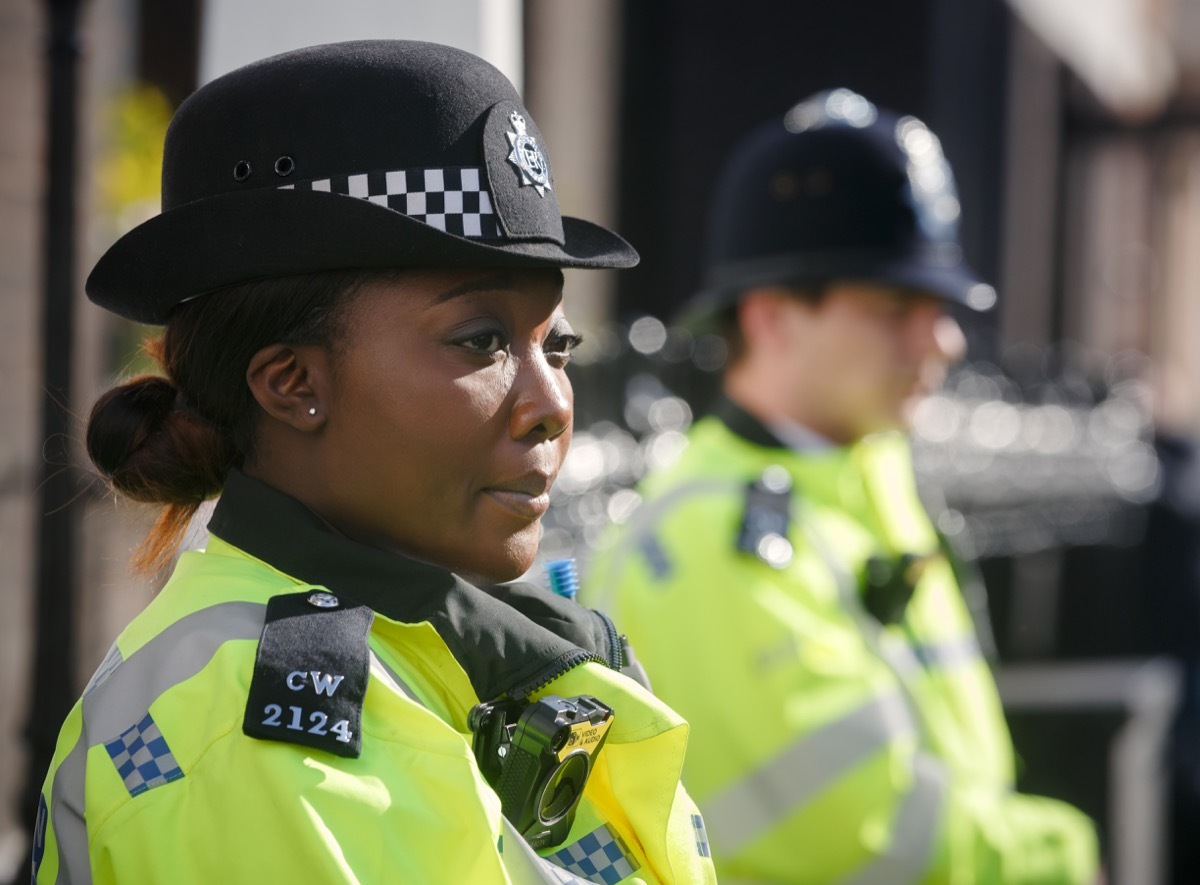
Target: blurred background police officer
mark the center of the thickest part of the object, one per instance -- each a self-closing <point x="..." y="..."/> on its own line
<point x="785" y="587"/>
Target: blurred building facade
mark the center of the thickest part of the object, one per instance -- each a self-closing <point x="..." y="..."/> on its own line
<point x="105" y="59"/>
<point x="20" y="100"/>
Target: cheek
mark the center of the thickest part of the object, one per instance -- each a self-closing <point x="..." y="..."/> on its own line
<point x="479" y="397"/>
<point x="417" y="396"/>
<point x="867" y="361"/>
<point x="392" y="421"/>
<point x="444" y="426"/>
<point x="849" y="351"/>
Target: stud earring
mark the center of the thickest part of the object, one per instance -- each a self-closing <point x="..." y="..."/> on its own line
<point x="312" y="410"/>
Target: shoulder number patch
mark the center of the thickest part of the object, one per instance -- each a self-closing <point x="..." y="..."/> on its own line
<point x="310" y="675"/>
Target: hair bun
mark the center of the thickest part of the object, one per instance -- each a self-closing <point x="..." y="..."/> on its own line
<point x="151" y="449"/>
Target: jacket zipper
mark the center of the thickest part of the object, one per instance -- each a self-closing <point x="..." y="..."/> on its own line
<point x="615" y="645"/>
<point x="558" y="667"/>
<point x="573" y="659"/>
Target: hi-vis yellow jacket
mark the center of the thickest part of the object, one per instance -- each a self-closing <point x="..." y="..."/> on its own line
<point x="157" y="780"/>
<point x="826" y="747"/>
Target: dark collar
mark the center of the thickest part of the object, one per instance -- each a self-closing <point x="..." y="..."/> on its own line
<point x="505" y="637"/>
<point x="744" y="424"/>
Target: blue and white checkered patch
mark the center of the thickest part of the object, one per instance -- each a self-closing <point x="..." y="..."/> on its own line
<point x="453" y="199"/>
<point x="701" y="835"/>
<point x="600" y="856"/>
<point x="143" y="758"/>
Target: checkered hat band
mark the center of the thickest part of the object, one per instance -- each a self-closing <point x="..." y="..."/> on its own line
<point x="454" y="199"/>
<point x="600" y="856"/>
<point x="142" y="757"/>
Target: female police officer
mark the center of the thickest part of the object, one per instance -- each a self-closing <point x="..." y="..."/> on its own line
<point x="357" y="266"/>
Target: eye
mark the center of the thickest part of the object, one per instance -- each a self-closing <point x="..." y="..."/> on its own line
<point x="559" y="346"/>
<point x="485" y="342"/>
<point x="894" y="309"/>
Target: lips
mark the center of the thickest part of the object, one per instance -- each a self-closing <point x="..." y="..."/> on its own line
<point x="527" y="496"/>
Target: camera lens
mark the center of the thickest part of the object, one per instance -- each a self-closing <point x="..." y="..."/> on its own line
<point x="563" y="788"/>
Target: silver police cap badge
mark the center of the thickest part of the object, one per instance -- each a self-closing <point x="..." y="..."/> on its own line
<point x="527" y="156"/>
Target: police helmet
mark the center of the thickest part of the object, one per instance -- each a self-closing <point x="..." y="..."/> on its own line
<point x="836" y="190"/>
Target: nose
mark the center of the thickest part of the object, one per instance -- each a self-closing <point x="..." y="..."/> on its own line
<point x="951" y="342"/>
<point x="544" y="404"/>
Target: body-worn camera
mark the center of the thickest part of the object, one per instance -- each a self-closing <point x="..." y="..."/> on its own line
<point x="888" y="584"/>
<point x="537" y="757"/>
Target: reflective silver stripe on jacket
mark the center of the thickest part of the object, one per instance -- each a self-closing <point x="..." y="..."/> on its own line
<point x="949" y="654"/>
<point x="123" y="697"/>
<point x="641" y="530"/>
<point x="389" y="677"/>
<point x="914" y="835"/>
<point x="758" y="802"/>
<point x="894" y="650"/>
<point x="915" y="831"/>
<point x="959" y="651"/>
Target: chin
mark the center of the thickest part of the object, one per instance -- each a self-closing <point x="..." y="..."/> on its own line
<point x="516" y="556"/>
<point x="493" y="575"/>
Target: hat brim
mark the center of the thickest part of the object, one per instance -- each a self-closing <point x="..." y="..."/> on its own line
<point x="955" y="283"/>
<point x="236" y="238"/>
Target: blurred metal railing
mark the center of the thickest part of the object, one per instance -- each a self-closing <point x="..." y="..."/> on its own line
<point x="1049" y="449"/>
<point x="1148" y="692"/>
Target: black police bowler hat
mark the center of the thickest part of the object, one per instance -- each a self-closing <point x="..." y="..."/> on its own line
<point x="368" y="154"/>
<point x="836" y="190"/>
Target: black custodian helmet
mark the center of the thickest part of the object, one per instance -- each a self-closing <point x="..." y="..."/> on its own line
<point x="836" y="190"/>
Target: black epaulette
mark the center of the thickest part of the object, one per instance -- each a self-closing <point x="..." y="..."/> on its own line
<point x="767" y="518"/>
<point x="311" y="672"/>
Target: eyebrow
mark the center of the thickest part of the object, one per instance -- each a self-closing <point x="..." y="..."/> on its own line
<point x="489" y="283"/>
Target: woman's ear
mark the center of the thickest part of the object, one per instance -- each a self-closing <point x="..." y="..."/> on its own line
<point x="288" y="381"/>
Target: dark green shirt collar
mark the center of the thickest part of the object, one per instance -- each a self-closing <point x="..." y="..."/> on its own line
<point x="783" y="434"/>
<point x="506" y="637"/>
<point x="744" y="424"/>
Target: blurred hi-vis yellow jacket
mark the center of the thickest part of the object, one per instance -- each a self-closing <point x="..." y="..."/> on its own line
<point x="826" y="747"/>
